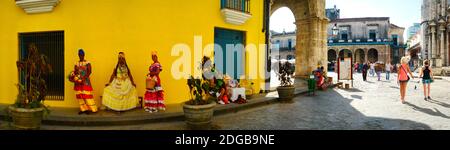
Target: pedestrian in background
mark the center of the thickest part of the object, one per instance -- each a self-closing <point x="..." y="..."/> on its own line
<point x="378" y="70"/>
<point x="388" y="69"/>
<point x="365" y="68"/>
<point x="372" y="69"/>
<point x="403" y="77"/>
<point x="360" y="67"/>
<point x="427" y="77"/>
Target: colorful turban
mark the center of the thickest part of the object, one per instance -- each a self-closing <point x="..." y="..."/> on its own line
<point x="80" y="52"/>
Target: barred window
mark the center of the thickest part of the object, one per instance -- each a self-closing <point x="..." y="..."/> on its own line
<point x="50" y="44"/>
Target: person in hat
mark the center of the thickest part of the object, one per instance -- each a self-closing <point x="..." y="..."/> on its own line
<point x="154" y="97"/>
<point x="83" y="89"/>
<point x="120" y="93"/>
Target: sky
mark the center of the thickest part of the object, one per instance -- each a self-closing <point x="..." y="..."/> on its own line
<point x="401" y="12"/>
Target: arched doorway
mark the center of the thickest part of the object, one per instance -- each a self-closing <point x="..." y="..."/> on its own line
<point x="282" y="38"/>
<point x="345" y="53"/>
<point x="308" y="14"/>
<point x="332" y="58"/>
<point x="372" y="55"/>
<point x="359" y="56"/>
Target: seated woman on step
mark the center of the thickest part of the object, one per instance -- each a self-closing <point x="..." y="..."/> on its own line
<point x="120" y="93"/>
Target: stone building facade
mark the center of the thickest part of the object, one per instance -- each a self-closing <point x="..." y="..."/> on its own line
<point x="414" y="49"/>
<point x="283" y="45"/>
<point x="372" y="39"/>
<point x="435" y="32"/>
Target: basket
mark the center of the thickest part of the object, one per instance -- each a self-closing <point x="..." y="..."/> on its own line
<point x="150" y="83"/>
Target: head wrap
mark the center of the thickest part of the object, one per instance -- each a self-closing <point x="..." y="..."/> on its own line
<point x="80" y="52"/>
<point x="154" y="53"/>
<point x="122" y="54"/>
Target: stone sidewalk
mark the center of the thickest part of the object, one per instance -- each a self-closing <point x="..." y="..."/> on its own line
<point x="69" y="116"/>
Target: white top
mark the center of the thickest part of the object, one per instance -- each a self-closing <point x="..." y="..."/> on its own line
<point x="388" y="67"/>
<point x="372" y="66"/>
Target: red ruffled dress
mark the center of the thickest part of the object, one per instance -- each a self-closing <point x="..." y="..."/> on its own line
<point x="154" y="98"/>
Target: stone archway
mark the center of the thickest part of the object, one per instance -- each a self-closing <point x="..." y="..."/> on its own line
<point x="332" y="55"/>
<point x="372" y="55"/>
<point x="332" y="59"/>
<point x="345" y="53"/>
<point x="311" y="44"/>
<point x="360" y="56"/>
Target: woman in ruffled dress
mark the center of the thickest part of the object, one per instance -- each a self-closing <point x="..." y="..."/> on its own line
<point x="154" y="96"/>
<point x="120" y="93"/>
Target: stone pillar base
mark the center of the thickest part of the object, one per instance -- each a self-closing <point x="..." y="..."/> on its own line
<point x="438" y="62"/>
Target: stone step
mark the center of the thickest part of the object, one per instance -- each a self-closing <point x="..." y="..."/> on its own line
<point x="70" y="117"/>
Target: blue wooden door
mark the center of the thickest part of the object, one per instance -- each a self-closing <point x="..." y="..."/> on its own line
<point x="231" y="60"/>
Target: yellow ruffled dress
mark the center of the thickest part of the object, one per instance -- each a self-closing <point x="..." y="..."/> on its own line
<point x="120" y="95"/>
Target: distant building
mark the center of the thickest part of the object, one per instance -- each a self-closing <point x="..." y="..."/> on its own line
<point x="412" y="30"/>
<point x="372" y="39"/>
<point x="414" y="49"/>
<point x="283" y="45"/>
<point x="333" y="13"/>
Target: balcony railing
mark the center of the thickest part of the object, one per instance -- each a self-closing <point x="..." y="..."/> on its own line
<point x="238" y="5"/>
<point x="236" y="12"/>
<point x="287" y="48"/>
<point x="359" y="41"/>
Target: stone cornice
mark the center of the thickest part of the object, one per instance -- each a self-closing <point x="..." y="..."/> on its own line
<point x="37" y="6"/>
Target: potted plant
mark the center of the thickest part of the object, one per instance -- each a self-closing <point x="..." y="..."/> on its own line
<point x="286" y="88"/>
<point x="28" y="110"/>
<point x="198" y="111"/>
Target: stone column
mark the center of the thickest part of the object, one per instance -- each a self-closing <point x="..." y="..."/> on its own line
<point x="311" y="48"/>
<point x="446" y="49"/>
<point x="433" y="43"/>
<point x="441" y="55"/>
<point x="429" y="47"/>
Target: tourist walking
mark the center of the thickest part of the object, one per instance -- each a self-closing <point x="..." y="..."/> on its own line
<point x="388" y="69"/>
<point x="372" y="69"/>
<point x="365" y="68"/>
<point x="427" y="77"/>
<point x="403" y="77"/>
<point x="378" y="70"/>
<point x="360" y="67"/>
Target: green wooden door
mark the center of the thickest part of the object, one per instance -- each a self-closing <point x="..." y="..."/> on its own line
<point x="231" y="60"/>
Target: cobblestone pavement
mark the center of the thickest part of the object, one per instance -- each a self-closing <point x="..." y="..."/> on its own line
<point x="372" y="105"/>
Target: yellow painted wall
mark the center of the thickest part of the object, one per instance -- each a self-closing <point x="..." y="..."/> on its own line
<point x="105" y="27"/>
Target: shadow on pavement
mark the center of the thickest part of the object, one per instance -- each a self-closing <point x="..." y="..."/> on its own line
<point x="439" y="103"/>
<point x="428" y="111"/>
<point x="394" y="87"/>
<point x="353" y="90"/>
<point x="326" y="111"/>
<point x="357" y="97"/>
<point x="366" y="122"/>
